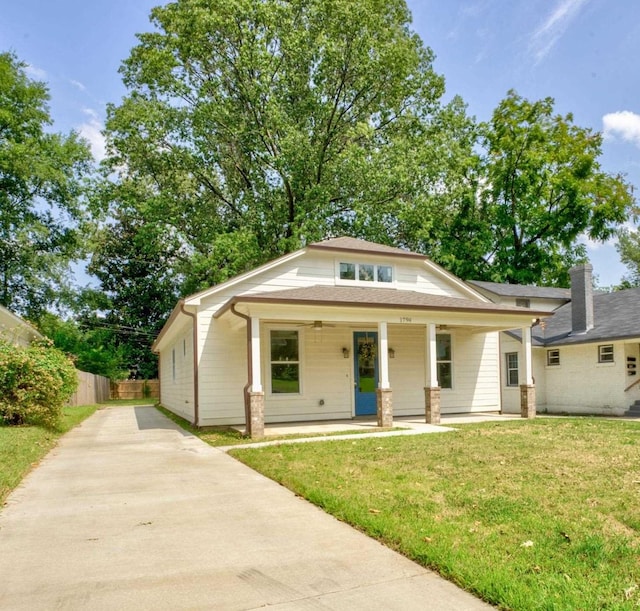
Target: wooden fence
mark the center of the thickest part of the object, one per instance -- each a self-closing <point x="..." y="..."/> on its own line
<point x="92" y="389"/>
<point x="135" y="389"/>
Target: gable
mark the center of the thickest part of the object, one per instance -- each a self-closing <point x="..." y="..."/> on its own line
<point x="389" y="269"/>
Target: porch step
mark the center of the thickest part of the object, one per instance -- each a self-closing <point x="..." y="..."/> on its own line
<point x="634" y="410"/>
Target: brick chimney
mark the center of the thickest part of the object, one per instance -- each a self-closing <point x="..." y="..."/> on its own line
<point x="581" y="298"/>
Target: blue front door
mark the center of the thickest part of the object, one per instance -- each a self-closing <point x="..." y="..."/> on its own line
<point x="365" y="361"/>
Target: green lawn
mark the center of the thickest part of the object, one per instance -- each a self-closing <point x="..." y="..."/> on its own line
<point x="21" y="447"/>
<point x="541" y="514"/>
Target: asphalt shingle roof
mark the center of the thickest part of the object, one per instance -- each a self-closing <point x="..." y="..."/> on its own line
<point x="346" y="244"/>
<point x="616" y="316"/>
<point x="521" y="290"/>
<point x="375" y="298"/>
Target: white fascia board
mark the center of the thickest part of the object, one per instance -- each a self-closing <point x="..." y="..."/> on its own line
<point x="463" y="286"/>
<point x="196" y="298"/>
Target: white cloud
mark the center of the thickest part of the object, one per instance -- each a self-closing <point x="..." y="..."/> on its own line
<point x="91" y="130"/>
<point x="35" y="72"/>
<point x="624" y="123"/>
<point x="554" y="26"/>
<point x="78" y="84"/>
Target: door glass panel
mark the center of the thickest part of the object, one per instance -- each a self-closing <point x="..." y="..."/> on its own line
<point x="366" y="364"/>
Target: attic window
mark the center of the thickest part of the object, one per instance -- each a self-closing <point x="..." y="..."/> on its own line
<point x="523" y="302"/>
<point x="365" y="273"/>
<point x="553" y="357"/>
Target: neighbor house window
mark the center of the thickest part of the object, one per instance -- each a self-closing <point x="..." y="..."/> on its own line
<point x="605" y="353"/>
<point x="443" y="358"/>
<point x="285" y="362"/>
<point x="553" y="357"/>
<point x="366" y="272"/>
<point x="523" y="303"/>
<point x="512" y="368"/>
<point x="173" y="364"/>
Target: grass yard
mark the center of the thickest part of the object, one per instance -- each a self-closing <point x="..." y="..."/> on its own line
<point x="23" y="446"/>
<point x="539" y="514"/>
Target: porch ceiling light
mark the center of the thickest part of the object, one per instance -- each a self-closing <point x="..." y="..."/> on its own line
<point x="345" y="353"/>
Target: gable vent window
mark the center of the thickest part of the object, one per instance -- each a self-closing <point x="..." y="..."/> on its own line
<point x="605" y="353"/>
<point x="553" y="358"/>
<point x="365" y="273"/>
<point x="523" y="303"/>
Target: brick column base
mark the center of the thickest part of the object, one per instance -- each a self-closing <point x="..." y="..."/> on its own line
<point x="255" y="426"/>
<point x="527" y="401"/>
<point x="432" y="404"/>
<point x="384" y="405"/>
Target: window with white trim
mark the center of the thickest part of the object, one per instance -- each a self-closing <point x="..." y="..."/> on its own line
<point x="553" y="357"/>
<point x="365" y="272"/>
<point x="512" y="368"/>
<point x="605" y="353"/>
<point x="523" y="302"/>
<point x="285" y="361"/>
<point x="444" y="360"/>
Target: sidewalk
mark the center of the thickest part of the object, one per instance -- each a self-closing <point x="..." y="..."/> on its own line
<point x="131" y="512"/>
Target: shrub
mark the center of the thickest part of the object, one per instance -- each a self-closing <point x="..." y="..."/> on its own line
<point x="35" y="383"/>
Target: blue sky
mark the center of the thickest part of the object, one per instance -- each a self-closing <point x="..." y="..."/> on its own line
<point x="583" y="53"/>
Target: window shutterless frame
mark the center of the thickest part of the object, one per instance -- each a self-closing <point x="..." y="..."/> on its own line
<point x="511" y="359"/>
<point x="605" y="353"/>
<point x="553" y="357"/>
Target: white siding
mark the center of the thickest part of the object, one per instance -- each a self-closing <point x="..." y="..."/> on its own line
<point x="176" y="376"/>
<point x="476" y="375"/>
<point x="407" y="368"/>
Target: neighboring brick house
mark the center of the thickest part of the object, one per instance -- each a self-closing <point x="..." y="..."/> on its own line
<point x="338" y="329"/>
<point x="16" y="330"/>
<point x="585" y="357"/>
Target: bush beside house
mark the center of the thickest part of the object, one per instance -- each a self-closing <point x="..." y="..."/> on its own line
<point x="35" y="383"/>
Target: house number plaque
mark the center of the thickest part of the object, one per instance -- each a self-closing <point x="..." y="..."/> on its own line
<point x="405" y="319"/>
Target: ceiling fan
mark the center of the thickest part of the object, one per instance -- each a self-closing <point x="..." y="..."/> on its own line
<point x="316" y="325"/>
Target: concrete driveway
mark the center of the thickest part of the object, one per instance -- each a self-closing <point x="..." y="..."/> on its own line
<point x="131" y="512"/>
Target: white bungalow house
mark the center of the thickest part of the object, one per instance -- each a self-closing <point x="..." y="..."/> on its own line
<point x="339" y="329"/>
<point x="585" y="357"/>
<point x="16" y="330"/>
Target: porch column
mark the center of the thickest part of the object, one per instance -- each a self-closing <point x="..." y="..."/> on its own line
<point x="384" y="402"/>
<point x="432" y="389"/>
<point x="256" y="394"/>
<point x="528" y="389"/>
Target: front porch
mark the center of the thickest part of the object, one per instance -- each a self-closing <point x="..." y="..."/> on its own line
<point x="325" y="356"/>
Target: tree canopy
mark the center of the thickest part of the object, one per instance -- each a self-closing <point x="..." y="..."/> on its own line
<point x="40" y="192"/>
<point x="535" y="190"/>
<point x="629" y="248"/>
<point x="270" y="124"/>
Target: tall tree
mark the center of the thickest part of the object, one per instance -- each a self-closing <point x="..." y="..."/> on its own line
<point x="629" y="249"/>
<point x="269" y="124"/>
<point x="536" y="188"/>
<point x="40" y="189"/>
<point x="138" y="287"/>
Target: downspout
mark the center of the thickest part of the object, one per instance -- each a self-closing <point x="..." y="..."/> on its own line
<point x="196" y="393"/>
<point x="249" y="384"/>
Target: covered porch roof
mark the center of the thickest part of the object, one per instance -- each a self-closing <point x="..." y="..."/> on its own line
<point x="343" y="302"/>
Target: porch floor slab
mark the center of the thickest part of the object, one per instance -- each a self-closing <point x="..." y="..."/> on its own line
<point x="366" y="427"/>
